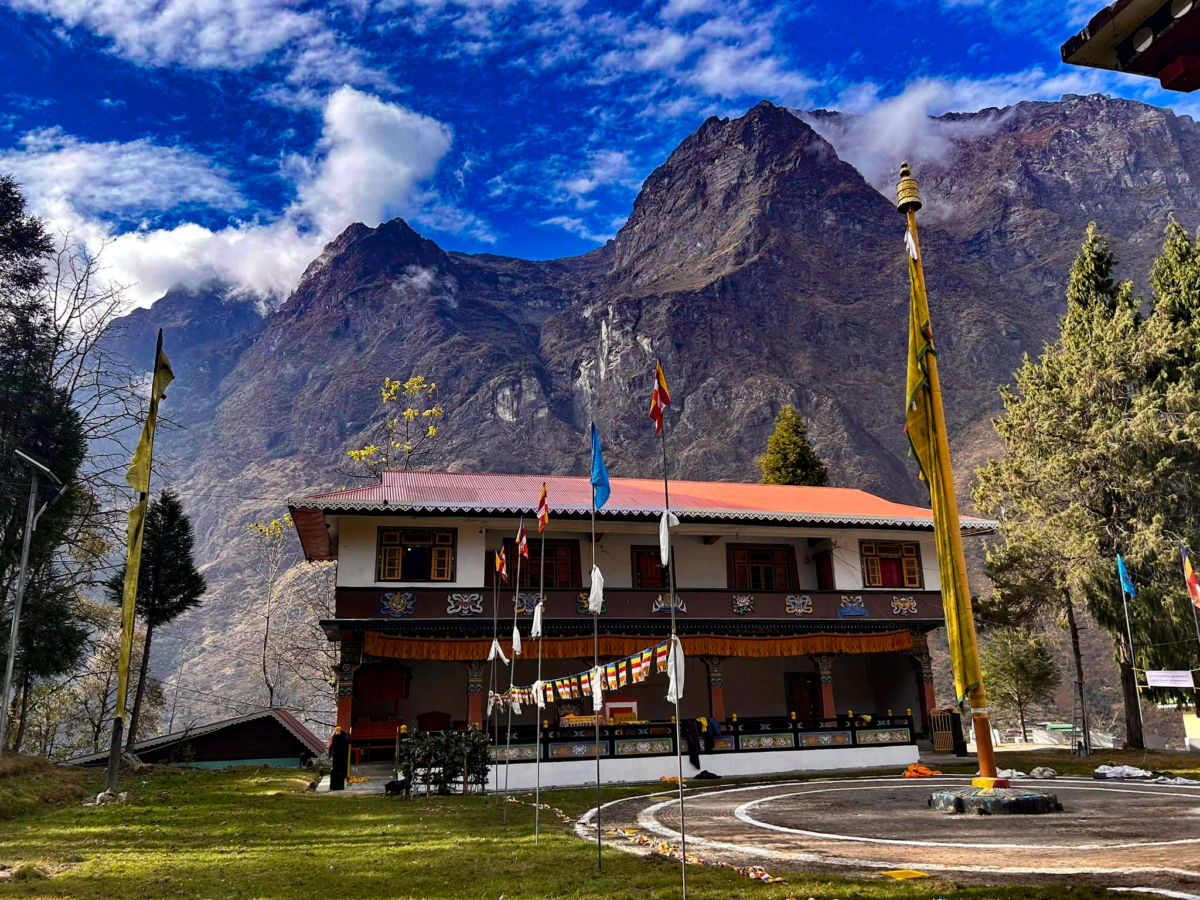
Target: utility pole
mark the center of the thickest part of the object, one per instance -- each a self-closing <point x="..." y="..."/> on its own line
<point x="31" y="518"/>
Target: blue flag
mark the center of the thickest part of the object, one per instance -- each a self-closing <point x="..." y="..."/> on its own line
<point x="600" y="488"/>
<point x="1126" y="581"/>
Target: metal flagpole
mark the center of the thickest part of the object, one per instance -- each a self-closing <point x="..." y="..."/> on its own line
<point x="671" y="601"/>
<point x="512" y="671"/>
<point x="16" y="613"/>
<point x="537" y="795"/>
<point x="492" y="693"/>
<point x="1133" y="662"/>
<point x="596" y="687"/>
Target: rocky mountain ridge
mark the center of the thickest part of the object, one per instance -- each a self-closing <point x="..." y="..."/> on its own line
<point x="758" y="264"/>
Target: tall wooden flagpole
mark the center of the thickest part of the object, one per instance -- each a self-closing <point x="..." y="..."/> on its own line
<point x="671" y="601"/>
<point x="908" y="201"/>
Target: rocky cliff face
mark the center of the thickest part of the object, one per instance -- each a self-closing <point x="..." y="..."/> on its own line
<point x="759" y="265"/>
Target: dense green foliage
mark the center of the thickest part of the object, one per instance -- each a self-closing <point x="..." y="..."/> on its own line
<point x="1019" y="670"/>
<point x="36" y="417"/>
<point x="443" y="757"/>
<point x="169" y="584"/>
<point x="1102" y="456"/>
<point x="790" y="459"/>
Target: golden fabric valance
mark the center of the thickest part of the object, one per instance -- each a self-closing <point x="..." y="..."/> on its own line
<point x="378" y="644"/>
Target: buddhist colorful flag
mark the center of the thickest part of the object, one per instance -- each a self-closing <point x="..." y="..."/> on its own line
<point x="924" y="440"/>
<point x="502" y="565"/>
<point x="522" y="541"/>
<point x="647" y="656"/>
<point x="660" y="656"/>
<point x="549" y="693"/>
<point x="543" y="510"/>
<point x="564" y="689"/>
<point x="599" y="478"/>
<point x="1126" y="581"/>
<point x="138" y="477"/>
<point x="1189" y="578"/>
<point x="622" y="673"/>
<point x="610" y="676"/>
<point x="585" y="686"/>
<point x="660" y="399"/>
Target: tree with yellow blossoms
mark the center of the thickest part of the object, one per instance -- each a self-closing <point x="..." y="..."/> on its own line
<point x="405" y="435"/>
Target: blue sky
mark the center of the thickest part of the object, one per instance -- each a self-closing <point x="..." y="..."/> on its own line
<point x="233" y="138"/>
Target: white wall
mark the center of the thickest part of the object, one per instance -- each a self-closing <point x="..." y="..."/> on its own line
<point x="567" y="773"/>
<point x="698" y="565"/>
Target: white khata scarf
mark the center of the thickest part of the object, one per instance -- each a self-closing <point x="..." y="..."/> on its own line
<point x="675" y="664"/>
<point x="496" y="651"/>
<point x="539" y="693"/>
<point x="536" y="631"/>
<point x="516" y="648"/>
<point x="664" y="540"/>
<point x="596" y="595"/>
<point x="597" y="678"/>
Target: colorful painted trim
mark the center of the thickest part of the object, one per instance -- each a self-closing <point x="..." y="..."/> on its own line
<point x="577" y="751"/>
<point x="516" y="752"/>
<point x="825" y="739"/>
<point x="885" y="736"/>
<point x="765" y="742"/>
<point x="644" y="748"/>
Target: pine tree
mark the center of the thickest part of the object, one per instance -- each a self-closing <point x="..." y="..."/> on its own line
<point x="1100" y="436"/>
<point x="168" y="583"/>
<point x="790" y="459"/>
<point x="1019" y="670"/>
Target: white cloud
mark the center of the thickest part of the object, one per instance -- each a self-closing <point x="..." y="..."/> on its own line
<point x="577" y="227"/>
<point x="603" y="167"/>
<point x="886" y="130"/>
<point x="127" y="180"/>
<point x="372" y="162"/>
<point x="216" y="34"/>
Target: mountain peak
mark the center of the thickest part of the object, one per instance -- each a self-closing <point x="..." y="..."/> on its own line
<point x="717" y="201"/>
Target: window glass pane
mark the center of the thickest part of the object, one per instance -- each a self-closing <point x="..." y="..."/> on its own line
<point x="417" y="564"/>
<point x="891" y="573"/>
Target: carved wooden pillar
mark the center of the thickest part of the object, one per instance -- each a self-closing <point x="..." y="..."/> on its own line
<point x="351" y="659"/>
<point x="474" y="692"/>
<point x="923" y="664"/>
<point x="716" y="687"/>
<point x="824" y="664"/>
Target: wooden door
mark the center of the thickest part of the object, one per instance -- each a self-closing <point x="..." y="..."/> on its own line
<point x="802" y="696"/>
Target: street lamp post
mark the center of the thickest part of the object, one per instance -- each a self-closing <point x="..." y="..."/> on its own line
<point x="31" y="518"/>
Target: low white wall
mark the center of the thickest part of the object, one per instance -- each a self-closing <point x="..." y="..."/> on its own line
<point x="579" y="772"/>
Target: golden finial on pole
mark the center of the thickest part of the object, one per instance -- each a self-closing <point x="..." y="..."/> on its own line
<point x="907" y="196"/>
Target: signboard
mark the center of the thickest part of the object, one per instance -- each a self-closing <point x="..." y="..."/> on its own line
<point x="1170" y="678"/>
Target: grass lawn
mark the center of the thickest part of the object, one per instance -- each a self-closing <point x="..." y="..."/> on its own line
<point x="253" y="833"/>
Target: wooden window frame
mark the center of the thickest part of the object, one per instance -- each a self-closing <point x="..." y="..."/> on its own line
<point x="910" y="553"/>
<point x="510" y="551"/>
<point x="442" y="539"/>
<point x="793" y="570"/>
<point x="636" y="550"/>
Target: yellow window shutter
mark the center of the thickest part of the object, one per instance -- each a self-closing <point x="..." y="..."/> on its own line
<point x="912" y="573"/>
<point x="442" y="563"/>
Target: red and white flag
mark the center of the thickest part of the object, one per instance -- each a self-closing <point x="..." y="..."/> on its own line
<point x="502" y="565"/>
<point x="543" y="510"/>
<point x="522" y="543"/>
<point x="660" y="399"/>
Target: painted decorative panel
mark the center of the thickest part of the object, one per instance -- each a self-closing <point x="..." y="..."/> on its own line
<point x="826" y="739"/>
<point x="577" y="751"/>
<point x="644" y="748"/>
<point x="722" y="744"/>
<point x="765" y="742"/>
<point x="884" y="736"/>
<point x="516" y="752"/>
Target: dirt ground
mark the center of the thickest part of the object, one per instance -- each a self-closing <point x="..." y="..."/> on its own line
<point x="1109" y="833"/>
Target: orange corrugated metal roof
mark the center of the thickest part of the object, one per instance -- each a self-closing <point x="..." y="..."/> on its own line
<point x="476" y="493"/>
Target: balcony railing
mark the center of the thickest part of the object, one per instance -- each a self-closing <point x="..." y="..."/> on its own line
<point x="769" y="733"/>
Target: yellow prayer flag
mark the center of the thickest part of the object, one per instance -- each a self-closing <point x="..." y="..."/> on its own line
<point x="138" y="477"/>
<point x="923" y="436"/>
